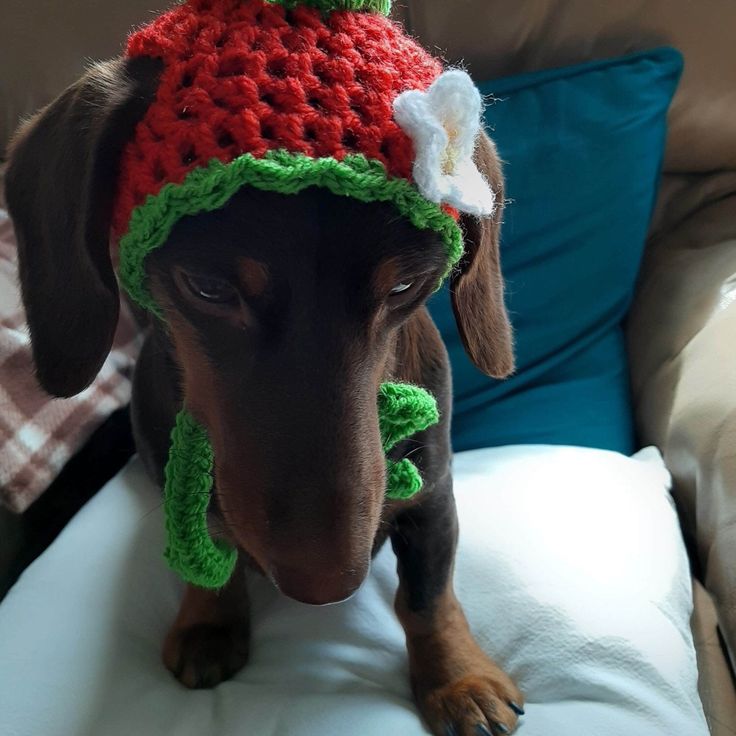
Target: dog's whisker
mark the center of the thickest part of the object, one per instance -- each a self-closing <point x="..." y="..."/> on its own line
<point x="151" y="511"/>
<point x="415" y="450"/>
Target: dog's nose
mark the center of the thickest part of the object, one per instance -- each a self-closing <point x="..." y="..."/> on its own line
<point x="318" y="589"/>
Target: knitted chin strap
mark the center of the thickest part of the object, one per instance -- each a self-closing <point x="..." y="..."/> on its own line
<point x="403" y="410"/>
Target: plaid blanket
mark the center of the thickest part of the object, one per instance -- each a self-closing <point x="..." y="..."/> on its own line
<point x="38" y="433"/>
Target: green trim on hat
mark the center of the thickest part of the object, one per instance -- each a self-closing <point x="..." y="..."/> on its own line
<point x="210" y="187"/>
<point x="368" y="6"/>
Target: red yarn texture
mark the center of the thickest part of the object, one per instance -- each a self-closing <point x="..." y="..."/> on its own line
<point x="247" y="76"/>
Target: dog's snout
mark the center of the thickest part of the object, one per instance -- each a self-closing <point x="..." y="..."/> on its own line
<point x="318" y="588"/>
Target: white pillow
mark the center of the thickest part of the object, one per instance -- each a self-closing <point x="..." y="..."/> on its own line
<point x="571" y="569"/>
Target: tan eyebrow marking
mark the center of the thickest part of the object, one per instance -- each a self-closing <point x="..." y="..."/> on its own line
<point x="386" y="277"/>
<point x="254" y="276"/>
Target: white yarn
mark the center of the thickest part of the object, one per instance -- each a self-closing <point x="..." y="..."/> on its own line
<point x="443" y="123"/>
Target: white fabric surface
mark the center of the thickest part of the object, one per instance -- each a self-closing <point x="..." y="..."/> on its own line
<point x="571" y="570"/>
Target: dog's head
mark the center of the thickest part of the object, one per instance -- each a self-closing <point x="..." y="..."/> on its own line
<point x="283" y="311"/>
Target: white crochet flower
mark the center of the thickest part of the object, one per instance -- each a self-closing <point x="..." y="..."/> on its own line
<point x="443" y="123"/>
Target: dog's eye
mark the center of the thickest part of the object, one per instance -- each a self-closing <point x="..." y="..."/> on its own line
<point x="213" y="290"/>
<point x="401" y="288"/>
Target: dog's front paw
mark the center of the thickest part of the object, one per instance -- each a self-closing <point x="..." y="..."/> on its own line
<point x="204" y="655"/>
<point x="485" y="704"/>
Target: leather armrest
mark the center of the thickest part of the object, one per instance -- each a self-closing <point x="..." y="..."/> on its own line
<point x="682" y="345"/>
<point x="715" y="682"/>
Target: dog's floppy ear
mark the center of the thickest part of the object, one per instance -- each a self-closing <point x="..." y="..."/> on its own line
<point x="60" y="184"/>
<point x="477" y="285"/>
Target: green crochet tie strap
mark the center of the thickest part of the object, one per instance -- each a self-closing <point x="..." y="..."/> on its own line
<point x="188" y="481"/>
<point x="403" y="410"/>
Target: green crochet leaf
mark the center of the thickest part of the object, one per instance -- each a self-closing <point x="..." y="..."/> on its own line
<point x="404" y="480"/>
<point x="402" y="411"/>
<point x="369" y="6"/>
<point x="210" y="187"/>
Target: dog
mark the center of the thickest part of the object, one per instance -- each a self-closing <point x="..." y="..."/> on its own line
<point x="278" y="335"/>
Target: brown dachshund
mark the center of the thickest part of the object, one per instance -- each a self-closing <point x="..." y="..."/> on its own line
<point x="283" y="316"/>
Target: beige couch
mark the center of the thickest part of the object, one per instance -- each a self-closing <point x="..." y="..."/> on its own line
<point x="682" y="329"/>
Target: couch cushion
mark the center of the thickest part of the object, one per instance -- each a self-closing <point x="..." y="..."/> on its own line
<point x="571" y="569"/>
<point x="582" y="148"/>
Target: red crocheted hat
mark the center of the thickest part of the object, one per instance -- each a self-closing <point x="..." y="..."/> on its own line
<point x="286" y="94"/>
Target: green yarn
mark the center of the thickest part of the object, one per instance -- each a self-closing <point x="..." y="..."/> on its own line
<point x="368" y="6"/>
<point x="190" y="550"/>
<point x="208" y="188"/>
<point x="404" y="480"/>
<point x="402" y="410"/>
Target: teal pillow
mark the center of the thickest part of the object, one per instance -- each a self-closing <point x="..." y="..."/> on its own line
<point x="582" y="148"/>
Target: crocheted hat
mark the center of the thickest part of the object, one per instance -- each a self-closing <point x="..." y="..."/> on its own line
<point x="286" y="94"/>
<point x="282" y="95"/>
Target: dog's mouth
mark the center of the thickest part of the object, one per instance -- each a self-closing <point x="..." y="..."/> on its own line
<point x="317" y="589"/>
<point x="315" y="586"/>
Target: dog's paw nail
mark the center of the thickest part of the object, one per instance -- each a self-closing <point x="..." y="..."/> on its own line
<point x="481" y="730"/>
<point x="516" y="708"/>
<point x="500" y="728"/>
